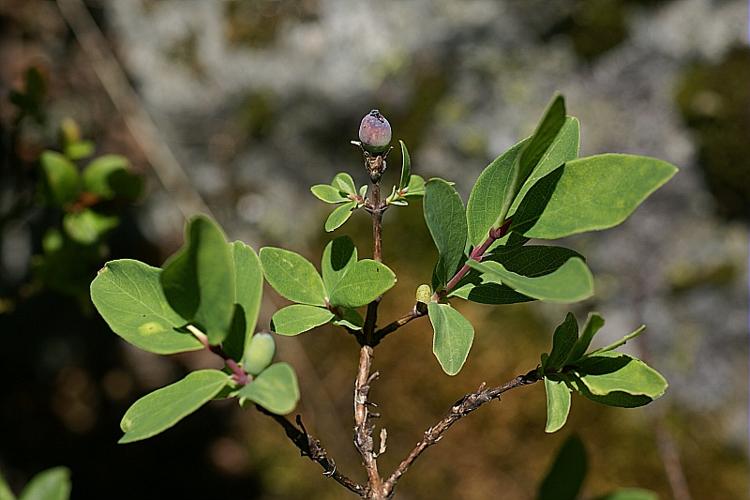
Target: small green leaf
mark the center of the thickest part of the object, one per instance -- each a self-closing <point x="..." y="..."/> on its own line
<point x="453" y="336"/>
<point x="298" y="318"/>
<point x="363" y="191"/>
<point x="446" y="220"/>
<point x="362" y="283"/>
<point x="275" y="389"/>
<point x="563" y="340"/>
<point x="589" y="194"/>
<point x="248" y="292"/>
<point x="5" y="491"/>
<point x="87" y="227"/>
<point x="490" y="194"/>
<point x="544" y="135"/>
<point x="405" y="166"/>
<point x="610" y="372"/>
<point x="349" y="318"/>
<point x="593" y="324"/>
<point x="563" y="149"/>
<point x="79" y="149"/>
<point x="571" y="282"/>
<point x="163" y="408"/>
<point x="128" y="295"/>
<point x="531" y="261"/>
<point x="622" y="341"/>
<point x="416" y="186"/>
<point x="61" y="179"/>
<point x="199" y="280"/>
<point x="51" y="484"/>
<point x="558" y="404"/>
<point x="339" y="255"/>
<point x="566" y="474"/>
<point x="328" y="193"/>
<point x="617" y="398"/>
<point x="629" y="494"/>
<point x="108" y="177"/>
<point x="293" y="276"/>
<point x="344" y="182"/>
<point x="340" y="215"/>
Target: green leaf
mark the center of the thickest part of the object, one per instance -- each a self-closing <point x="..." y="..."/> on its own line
<point x="163" y="408"/>
<point x="328" y="193"/>
<point x="563" y="340"/>
<point x="622" y="341"/>
<point x="298" y="318"/>
<point x="618" y="399"/>
<point x="416" y="186"/>
<point x="108" y="177"/>
<point x="446" y="220"/>
<point x="571" y="282"/>
<point x="275" y="389"/>
<point x="87" y="227"/>
<point x="199" y="280"/>
<point x="362" y="283"/>
<point x="248" y="292"/>
<point x="629" y="494"/>
<point x="589" y="194"/>
<point x="344" y="182"/>
<point x="128" y="295"/>
<point x="5" y="491"/>
<point x="338" y="257"/>
<point x="348" y="318"/>
<point x="51" y="484"/>
<point x="489" y="196"/>
<point x="564" y="148"/>
<point x="566" y="474"/>
<point x="610" y="372"/>
<point x="558" y="404"/>
<point x="453" y="336"/>
<point x="340" y="215"/>
<point x="544" y="135"/>
<point x="405" y="166"/>
<point x="531" y="261"/>
<point x="79" y="150"/>
<point x="61" y="180"/>
<point x="594" y="322"/>
<point x="293" y="276"/>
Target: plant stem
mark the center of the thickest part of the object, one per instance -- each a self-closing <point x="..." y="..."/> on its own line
<point x="460" y="409"/>
<point x="238" y="374"/>
<point x="417" y="311"/>
<point x="478" y="253"/>
<point x="362" y="429"/>
<point x="310" y="447"/>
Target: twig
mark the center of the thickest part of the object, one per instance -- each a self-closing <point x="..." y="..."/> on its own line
<point x="141" y="125"/>
<point x="418" y="311"/>
<point x="460" y="409"/>
<point x="310" y="447"/>
<point x="362" y="429"/>
<point x="238" y="374"/>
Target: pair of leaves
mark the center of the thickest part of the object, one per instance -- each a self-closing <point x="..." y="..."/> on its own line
<point x="526" y="273"/>
<point x="343" y="192"/>
<point x="346" y="283"/>
<point x="565" y="477"/>
<point x="604" y="376"/>
<point x="50" y="484"/>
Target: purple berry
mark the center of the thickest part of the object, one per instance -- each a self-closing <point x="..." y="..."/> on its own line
<point x="375" y="132"/>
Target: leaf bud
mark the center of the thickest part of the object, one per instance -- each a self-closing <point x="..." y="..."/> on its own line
<point x="424" y="293"/>
<point x="259" y="353"/>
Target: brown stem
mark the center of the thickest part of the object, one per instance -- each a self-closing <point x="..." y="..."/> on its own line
<point x="362" y="429"/>
<point x="460" y="409"/>
<point x="478" y="253"/>
<point x="418" y="311"/>
<point x="310" y="447"/>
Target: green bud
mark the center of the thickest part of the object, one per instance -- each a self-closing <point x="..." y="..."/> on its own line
<point x="424" y="293"/>
<point x="259" y="353"/>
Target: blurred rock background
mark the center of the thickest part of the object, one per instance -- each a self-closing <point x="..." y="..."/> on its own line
<point x="257" y="100"/>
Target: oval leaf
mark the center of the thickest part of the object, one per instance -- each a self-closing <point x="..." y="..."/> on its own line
<point x="163" y="408"/>
<point x="446" y="220"/>
<point x="344" y="182"/>
<point x="453" y="336"/>
<point x="405" y="166"/>
<point x="338" y="256"/>
<point x="87" y="227"/>
<point x="571" y="282"/>
<point x="292" y="276"/>
<point x="340" y="215"/>
<point x="51" y="484"/>
<point x="593" y="324"/>
<point x="610" y="372"/>
<point x="566" y="474"/>
<point x="97" y="174"/>
<point x="275" y="389"/>
<point x="563" y="340"/>
<point x="248" y="292"/>
<point x="61" y="178"/>
<point x="298" y="318"/>
<point x="364" y="282"/>
<point x="199" y="281"/>
<point x="558" y="404"/>
<point x="589" y="194"/>
<point x="128" y="295"/>
<point x="328" y="193"/>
